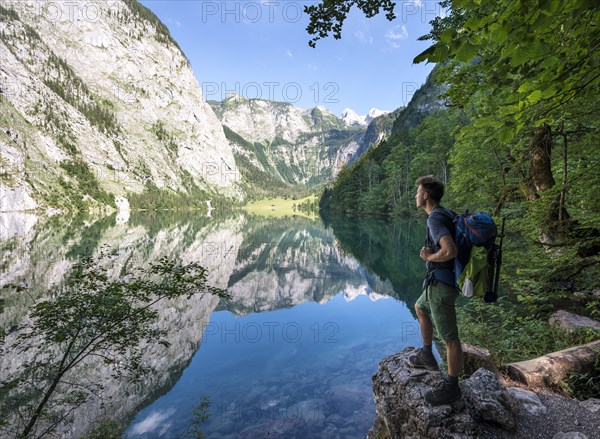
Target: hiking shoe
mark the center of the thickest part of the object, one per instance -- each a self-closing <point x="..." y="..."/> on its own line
<point x="423" y="360"/>
<point x="446" y="394"/>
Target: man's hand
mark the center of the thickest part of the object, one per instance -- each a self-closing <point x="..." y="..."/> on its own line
<point x="425" y="252"/>
<point x="446" y="252"/>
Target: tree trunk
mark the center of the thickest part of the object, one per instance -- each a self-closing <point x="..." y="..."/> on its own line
<point x="540" y="153"/>
<point x="540" y="173"/>
<point x="553" y="368"/>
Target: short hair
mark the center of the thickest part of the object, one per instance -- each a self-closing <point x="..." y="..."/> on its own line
<point x="433" y="186"/>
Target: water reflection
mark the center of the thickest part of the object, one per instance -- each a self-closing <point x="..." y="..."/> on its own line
<point x="313" y="310"/>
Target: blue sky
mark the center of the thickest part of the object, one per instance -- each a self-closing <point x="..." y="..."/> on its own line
<point x="260" y="49"/>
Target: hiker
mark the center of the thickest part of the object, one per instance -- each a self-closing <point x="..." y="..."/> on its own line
<point x="436" y="306"/>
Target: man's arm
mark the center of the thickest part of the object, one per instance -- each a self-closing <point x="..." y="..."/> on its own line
<point x="446" y="252"/>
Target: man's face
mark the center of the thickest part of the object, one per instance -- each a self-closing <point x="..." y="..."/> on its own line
<point x="420" y="197"/>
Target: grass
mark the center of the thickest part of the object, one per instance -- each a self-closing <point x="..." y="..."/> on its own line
<point x="279" y="207"/>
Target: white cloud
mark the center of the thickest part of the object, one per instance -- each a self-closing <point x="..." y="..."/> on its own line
<point x="288" y="52"/>
<point x="154" y="421"/>
<point x="365" y="39"/>
<point x="395" y="35"/>
<point x="311" y="66"/>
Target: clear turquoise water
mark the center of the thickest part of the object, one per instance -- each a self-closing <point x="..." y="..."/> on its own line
<point x="298" y="372"/>
<point x="308" y="367"/>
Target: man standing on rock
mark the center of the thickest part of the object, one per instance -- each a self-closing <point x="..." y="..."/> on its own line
<point x="436" y="306"/>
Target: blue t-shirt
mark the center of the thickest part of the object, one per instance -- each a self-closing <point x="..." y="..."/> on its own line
<point x="440" y="223"/>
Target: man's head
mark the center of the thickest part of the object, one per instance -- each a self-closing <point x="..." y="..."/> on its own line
<point x="430" y="190"/>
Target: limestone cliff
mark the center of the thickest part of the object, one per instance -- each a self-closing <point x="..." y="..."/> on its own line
<point x="278" y="143"/>
<point x="98" y="101"/>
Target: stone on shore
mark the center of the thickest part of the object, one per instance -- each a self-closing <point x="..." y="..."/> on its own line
<point x="402" y="412"/>
<point x="571" y="322"/>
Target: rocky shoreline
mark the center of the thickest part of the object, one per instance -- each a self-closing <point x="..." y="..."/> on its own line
<point x="493" y="406"/>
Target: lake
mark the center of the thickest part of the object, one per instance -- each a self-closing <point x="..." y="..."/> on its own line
<point x="314" y="308"/>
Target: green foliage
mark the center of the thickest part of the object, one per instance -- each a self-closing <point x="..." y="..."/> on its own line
<point x="310" y="206"/>
<point x="512" y="333"/>
<point x="194" y="198"/>
<point x="63" y="81"/>
<point x="7" y="14"/>
<point x="165" y="137"/>
<point x="584" y="385"/>
<point x="200" y="415"/>
<point x="106" y="430"/>
<point x="86" y="182"/>
<point x="93" y="318"/>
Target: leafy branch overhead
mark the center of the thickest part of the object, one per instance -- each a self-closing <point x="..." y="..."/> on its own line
<point x="329" y="15"/>
<point x="537" y="59"/>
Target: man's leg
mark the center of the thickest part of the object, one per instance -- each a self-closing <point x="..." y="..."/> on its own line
<point x="423" y="358"/>
<point x="443" y="316"/>
<point x="454" y="357"/>
<point x="426" y="326"/>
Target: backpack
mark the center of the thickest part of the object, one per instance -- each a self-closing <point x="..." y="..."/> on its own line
<point x="477" y="263"/>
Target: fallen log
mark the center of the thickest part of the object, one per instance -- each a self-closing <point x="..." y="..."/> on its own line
<point x="553" y="368"/>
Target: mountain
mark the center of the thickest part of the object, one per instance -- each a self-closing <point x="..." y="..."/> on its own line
<point x="350" y="117"/>
<point x="91" y="110"/>
<point x="383" y="177"/>
<point x="279" y="145"/>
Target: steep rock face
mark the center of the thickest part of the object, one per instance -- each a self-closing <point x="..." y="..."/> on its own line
<point x="100" y="95"/>
<point x="297" y="146"/>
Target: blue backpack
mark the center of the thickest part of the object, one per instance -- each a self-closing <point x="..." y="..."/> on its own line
<point x="477" y="264"/>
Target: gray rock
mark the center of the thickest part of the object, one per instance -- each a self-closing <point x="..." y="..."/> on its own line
<point x="528" y="400"/>
<point x="402" y="412"/>
<point x="487" y="399"/>
<point x="476" y="357"/>
<point x="595" y="293"/>
<point x="280" y="428"/>
<point x="569" y="435"/>
<point x="570" y="321"/>
<point x="592" y="405"/>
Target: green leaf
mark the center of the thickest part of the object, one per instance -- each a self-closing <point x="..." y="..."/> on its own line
<point x="519" y="57"/>
<point x="448" y="35"/>
<point x="423" y="56"/>
<point x="534" y="97"/>
<point x="506" y="135"/>
<point x="466" y="52"/>
<point x="488" y="121"/>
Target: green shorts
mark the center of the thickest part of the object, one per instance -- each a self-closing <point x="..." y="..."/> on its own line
<point x="438" y="302"/>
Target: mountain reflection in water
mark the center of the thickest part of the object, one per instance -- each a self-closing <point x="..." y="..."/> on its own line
<point x="313" y="310"/>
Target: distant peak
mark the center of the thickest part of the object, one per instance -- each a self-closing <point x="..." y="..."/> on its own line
<point x="374" y="113"/>
<point x="350" y="118"/>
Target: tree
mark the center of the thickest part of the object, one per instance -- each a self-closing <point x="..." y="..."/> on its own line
<point x="329" y="15"/>
<point x="523" y="74"/>
<point x="92" y="318"/>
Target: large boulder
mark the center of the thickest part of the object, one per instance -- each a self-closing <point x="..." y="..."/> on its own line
<point x="402" y="412"/>
<point x="571" y="322"/>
